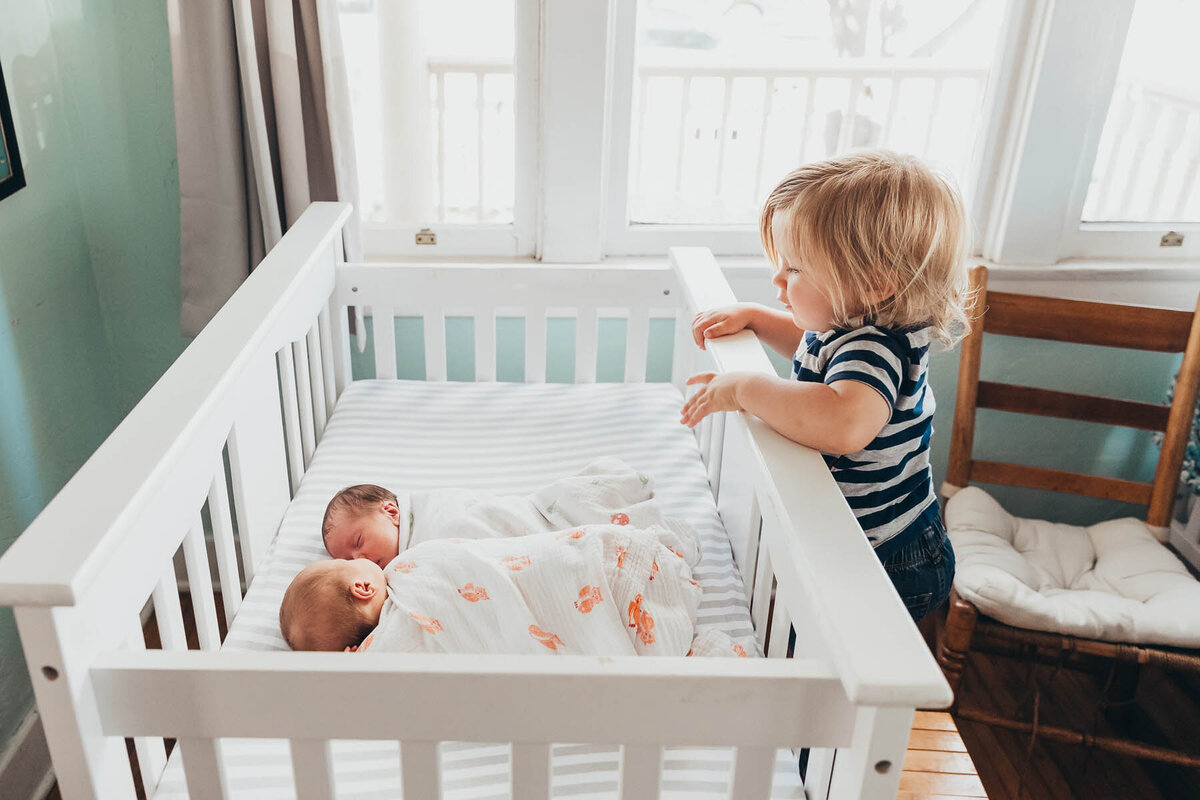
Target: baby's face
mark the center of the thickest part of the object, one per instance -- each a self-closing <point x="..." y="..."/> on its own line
<point x="373" y="535"/>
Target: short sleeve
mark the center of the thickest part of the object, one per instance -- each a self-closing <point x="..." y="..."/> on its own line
<point x="869" y="356"/>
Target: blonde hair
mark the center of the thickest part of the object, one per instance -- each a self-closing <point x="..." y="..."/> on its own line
<point x="872" y="221"/>
<point x="318" y="613"/>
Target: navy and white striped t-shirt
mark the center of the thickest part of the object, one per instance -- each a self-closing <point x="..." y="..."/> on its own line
<point x="889" y="483"/>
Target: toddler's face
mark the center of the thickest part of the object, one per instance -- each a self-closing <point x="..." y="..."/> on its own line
<point x="799" y="289"/>
<point x="373" y="535"/>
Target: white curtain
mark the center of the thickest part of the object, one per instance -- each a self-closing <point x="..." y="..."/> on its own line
<point x="262" y="122"/>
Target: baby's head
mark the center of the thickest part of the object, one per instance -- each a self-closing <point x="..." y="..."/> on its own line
<point x="879" y="236"/>
<point x="332" y="605"/>
<point x="362" y="522"/>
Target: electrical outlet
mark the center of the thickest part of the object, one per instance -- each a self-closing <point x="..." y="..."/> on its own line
<point x="426" y="236"/>
<point x="1171" y="239"/>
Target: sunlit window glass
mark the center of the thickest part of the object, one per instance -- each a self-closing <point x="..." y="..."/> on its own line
<point x="1149" y="151"/>
<point x="431" y="92"/>
<point x="729" y="96"/>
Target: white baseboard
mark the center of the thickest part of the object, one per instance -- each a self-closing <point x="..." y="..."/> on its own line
<point x="25" y="770"/>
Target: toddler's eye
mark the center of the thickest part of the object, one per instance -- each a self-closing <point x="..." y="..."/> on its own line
<point x="793" y="271"/>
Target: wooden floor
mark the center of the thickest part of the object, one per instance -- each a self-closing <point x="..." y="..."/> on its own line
<point x="937" y="765"/>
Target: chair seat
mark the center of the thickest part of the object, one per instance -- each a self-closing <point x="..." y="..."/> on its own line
<point x="1112" y="581"/>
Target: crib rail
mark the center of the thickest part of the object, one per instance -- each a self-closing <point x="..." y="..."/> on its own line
<point x="528" y="702"/>
<point x="811" y="541"/>
<point x="535" y="294"/>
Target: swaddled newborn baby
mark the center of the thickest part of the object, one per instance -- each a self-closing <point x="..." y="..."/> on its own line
<point x="596" y="590"/>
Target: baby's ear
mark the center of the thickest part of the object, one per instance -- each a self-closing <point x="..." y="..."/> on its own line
<point x="362" y="590"/>
<point x="392" y="510"/>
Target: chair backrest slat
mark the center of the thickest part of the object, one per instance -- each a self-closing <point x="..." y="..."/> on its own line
<point x="1068" y="405"/>
<point x="1061" y="481"/>
<point x="1079" y="322"/>
<point x="1084" y="322"/>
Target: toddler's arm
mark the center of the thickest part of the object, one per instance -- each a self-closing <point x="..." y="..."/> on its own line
<point x="838" y="418"/>
<point x="774" y="327"/>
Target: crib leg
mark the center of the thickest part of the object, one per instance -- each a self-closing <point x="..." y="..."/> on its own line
<point x="870" y="767"/>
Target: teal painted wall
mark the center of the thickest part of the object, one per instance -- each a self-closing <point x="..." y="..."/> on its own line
<point x="88" y="252"/>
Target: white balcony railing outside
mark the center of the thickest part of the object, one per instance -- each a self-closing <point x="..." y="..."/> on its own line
<point x="1148" y="158"/>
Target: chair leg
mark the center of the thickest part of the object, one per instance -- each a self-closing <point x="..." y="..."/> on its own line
<point x="955" y="640"/>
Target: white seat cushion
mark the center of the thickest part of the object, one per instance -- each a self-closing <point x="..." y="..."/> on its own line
<point x="1112" y="581"/>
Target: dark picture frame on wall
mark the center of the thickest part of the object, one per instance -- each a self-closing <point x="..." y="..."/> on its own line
<point x="12" y="174"/>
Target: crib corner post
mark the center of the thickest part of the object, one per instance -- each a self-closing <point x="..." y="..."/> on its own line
<point x="87" y="764"/>
<point x="870" y="768"/>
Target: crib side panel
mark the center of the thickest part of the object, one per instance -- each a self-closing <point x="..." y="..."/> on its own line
<point x="586" y="296"/>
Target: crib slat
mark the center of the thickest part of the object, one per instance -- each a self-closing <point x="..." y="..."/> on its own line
<point x="531" y="771"/>
<point x="485" y="346"/>
<point x="167" y="611"/>
<point x="753" y="770"/>
<point x="223" y="544"/>
<point x="360" y="329"/>
<point x="312" y="769"/>
<point x="291" y="417"/>
<point x="716" y="451"/>
<point x="337" y="318"/>
<point x="316" y="369"/>
<point x="195" y="558"/>
<point x="585" y="346"/>
<point x="385" y="341"/>
<point x="535" y="345"/>
<point x="151" y="752"/>
<point x="637" y="345"/>
<point x="202" y="768"/>
<point x="308" y="441"/>
<point x="781" y="629"/>
<point x="419" y="769"/>
<point x="681" y="351"/>
<point x="329" y="368"/>
<point x="747" y="560"/>
<point x="435" y="346"/>
<point x="760" y="605"/>
<point x="641" y="767"/>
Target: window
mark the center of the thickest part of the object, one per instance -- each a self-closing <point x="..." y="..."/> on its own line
<point x="434" y="91"/>
<point x="1145" y="169"/>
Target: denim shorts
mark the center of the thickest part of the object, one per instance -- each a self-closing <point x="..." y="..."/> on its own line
<point x="923" y="570"/>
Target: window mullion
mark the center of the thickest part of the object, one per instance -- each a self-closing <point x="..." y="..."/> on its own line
<point x="573" y="90"/>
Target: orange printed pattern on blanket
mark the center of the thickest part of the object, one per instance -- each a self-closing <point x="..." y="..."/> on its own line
<point x="620" y="518"/>
<point x="550" y="640"/>
<point x="404" y="567"/>
<point x="620" y="557"/>
<point x="653" y="569"/>
<point x="473" y="593"/>
<point x="640" y="618"/>
<point x="427" y="624"/>
<point x="739" y="651"/>
<point x="516" y="563"/>
<point x="575" y="534"/>
<point x="588" y="597"/>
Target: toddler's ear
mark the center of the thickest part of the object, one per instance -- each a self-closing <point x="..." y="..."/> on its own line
<point x="362" y="590"/>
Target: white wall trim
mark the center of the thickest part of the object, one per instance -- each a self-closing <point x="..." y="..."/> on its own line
<point x="25" y="769"/>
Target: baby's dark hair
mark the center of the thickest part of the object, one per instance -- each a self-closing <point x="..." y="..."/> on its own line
<point x="356" y="499"/>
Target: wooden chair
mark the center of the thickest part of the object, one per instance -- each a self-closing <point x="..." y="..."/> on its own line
<point x="1086" y="323"/>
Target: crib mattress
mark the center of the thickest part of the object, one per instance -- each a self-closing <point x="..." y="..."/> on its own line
<point x="501" y="438"/>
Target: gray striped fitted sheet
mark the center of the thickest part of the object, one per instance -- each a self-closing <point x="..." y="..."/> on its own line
<point x="501" y="438"/>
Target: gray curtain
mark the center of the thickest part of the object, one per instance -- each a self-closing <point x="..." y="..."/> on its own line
<point x="262" y="123"/>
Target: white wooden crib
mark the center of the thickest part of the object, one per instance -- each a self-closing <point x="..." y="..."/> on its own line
<point x="82" y="575"/>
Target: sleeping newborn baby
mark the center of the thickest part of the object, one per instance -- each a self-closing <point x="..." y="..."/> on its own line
<point x="371" y="522"/>
<point x="595" y="590"/>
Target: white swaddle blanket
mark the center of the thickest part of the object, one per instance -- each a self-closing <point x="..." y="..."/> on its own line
<point x="593" y="590"/>
<point x="585" y="565"/>
<point x="607" y="491"/>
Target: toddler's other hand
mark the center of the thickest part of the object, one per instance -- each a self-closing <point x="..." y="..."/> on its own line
<point x="717" y="393"/>
<point x="720" y="322"/>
